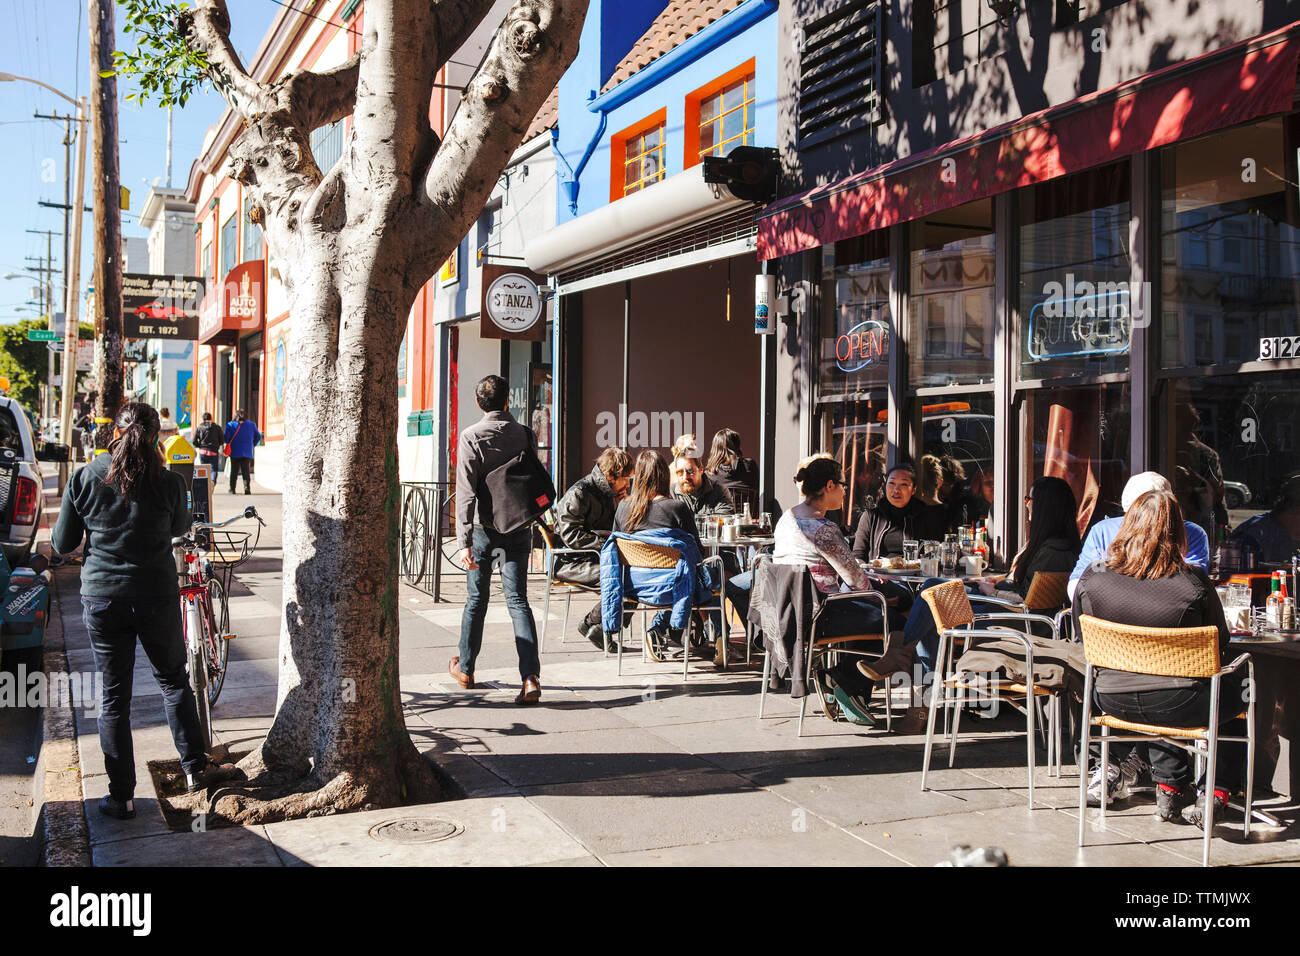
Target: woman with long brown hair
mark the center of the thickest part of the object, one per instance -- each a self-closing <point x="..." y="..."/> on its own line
<point x="649" y="505"/>
<point x="128" y="508"/>
<point x="1145" y="581"/>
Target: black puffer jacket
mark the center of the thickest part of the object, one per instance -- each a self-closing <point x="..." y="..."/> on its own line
<point x="585" y="515"/>
<point x="918" y="521"/>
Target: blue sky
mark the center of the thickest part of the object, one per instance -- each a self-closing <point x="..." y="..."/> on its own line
<point x="48" y="40"/>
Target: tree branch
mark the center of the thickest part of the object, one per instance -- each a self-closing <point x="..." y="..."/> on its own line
<point x="315" y="99"/>
<point x="207" y="28"/>
<point x="534" y="46"/>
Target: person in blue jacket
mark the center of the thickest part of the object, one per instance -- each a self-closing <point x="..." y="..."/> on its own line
<point x="242" y="435"/>
<point x="1104" y="532"/>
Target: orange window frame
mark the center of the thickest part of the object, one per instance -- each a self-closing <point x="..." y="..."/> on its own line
<point x="746" y="70"/>
<point x="618" y="150"/>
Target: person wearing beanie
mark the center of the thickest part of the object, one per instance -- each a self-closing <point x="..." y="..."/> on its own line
<point x="1103" y="533"/>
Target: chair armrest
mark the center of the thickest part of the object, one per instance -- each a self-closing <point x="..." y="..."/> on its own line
<point x="865" y="593"/>
<point x="1027" y="617"/>
<point x="716" y="559"/>
<point x="999" y="602"/>
<point x="595" y="551"/>
<point x="1241" y="659"/>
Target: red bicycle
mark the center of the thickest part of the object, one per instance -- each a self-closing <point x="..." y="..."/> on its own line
<point x="206" y="556"/>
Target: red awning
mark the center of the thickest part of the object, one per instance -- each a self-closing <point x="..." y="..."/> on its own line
<point x="1214" y="91"/>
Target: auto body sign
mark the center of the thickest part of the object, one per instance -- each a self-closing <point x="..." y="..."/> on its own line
<point x="161" y="307"/>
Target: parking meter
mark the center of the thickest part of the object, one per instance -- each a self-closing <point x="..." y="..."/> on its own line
<point x="178" y="456"/>
<point x="201" y="494"/>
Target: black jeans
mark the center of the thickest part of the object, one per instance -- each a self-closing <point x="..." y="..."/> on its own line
<point x="241" y="466"/>
<point x="113" y="625"/>
<point x="1180" y="707"/>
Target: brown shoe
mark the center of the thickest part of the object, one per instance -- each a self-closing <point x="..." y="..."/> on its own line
<point x="463" y="679"/>
<point x="899" y="657"/>
<point x="531" y="692"/>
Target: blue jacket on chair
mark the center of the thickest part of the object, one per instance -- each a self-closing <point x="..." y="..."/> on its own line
<point x="682" y="587"/>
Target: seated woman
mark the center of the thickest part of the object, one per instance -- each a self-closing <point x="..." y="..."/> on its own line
<point x="1052" y="545"/>
<point x="899" y="515"/>
<point x="805" y="537"/>
<point x="1145" y="581"/>
<point x="649" y="505"/>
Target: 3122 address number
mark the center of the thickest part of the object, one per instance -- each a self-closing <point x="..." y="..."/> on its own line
<point x="1279" y="347"/>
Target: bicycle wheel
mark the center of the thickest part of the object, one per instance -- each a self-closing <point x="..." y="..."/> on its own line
<point x="218" y="647"/>
<point x="196" y="627"/>
<point x="415" y="536"/>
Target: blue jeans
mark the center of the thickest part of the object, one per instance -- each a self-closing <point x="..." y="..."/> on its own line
<point x="510" y="553"/>
<point x="113" y="625"/>
<point x="660" y="622"/>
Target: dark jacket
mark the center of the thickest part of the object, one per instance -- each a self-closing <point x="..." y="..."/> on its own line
<point x="1053" y="555"/>
<point x="208" y="437"/>
<point x="918" y="521"/>
<point x="585" y="517"/>
<point x="783" y="605"/>
<point x="128" y="543"/>
<point x="711" y="499"/>
<point x="743" y="474"/>
<point x="490" y="442"/>
<point x="1186" y="599"/>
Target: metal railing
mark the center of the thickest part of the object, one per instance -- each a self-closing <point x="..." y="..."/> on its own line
<point x="427" y="519"/>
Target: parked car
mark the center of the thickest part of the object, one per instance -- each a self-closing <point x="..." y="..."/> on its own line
<point x="22" y="496"/>
<point x="1235" y="495"/>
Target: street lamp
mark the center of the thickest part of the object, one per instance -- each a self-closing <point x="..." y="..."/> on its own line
<point x="72" y="300"/>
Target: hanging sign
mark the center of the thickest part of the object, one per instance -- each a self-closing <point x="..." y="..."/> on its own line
<point x="512" y="306"/>
<point x="764" y="304"/>
<point x="161" y="307"/>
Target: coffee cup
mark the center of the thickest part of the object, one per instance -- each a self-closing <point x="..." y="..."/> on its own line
<point x="974" y="564"/>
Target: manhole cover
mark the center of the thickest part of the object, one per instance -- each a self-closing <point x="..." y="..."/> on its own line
<point x="416" y="830"/>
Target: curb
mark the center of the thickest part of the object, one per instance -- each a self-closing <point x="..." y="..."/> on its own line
<point x="60" y="812"/>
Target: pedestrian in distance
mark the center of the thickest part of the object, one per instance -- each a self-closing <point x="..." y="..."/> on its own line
<point x="494" y="442"/>
<point x="166" y="427"/>
<point x="208" y="439"/>
<point x="128" y="508"/>
<point x="241" y="436"/>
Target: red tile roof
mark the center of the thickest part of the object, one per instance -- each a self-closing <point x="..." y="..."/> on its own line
<point x="680" y="21"/>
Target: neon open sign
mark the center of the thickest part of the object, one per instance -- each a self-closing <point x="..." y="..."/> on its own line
<point x="861" y="345"/>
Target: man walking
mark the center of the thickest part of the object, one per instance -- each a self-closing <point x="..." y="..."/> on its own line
<point x="493" y="441"/>
<point x="241" y="435"/>
<point x="207" y="439"/>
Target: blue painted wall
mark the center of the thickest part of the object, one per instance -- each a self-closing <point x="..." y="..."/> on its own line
<point x="587" y="120"/>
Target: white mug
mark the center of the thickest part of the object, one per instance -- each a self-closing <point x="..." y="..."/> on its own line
<point x="974" y="564"/>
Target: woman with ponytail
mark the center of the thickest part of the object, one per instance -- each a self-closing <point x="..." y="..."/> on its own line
<point x="128" y="508"/>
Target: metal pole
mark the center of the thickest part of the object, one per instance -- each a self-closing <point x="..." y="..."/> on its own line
<point x="627" y="364"/>
<point x="73" y="297"/>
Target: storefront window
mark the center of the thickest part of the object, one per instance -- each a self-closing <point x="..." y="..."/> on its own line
<point x="1081" y="435"/>
<point x="1229" y="443"/>
<point x="950" y="302"/>
<point x="957" y="433"/>
<point x="855" y="436"/>
<point x="1075" y="306"/>
<point x="856" y="324"/>
<point x="1231" y="246"/>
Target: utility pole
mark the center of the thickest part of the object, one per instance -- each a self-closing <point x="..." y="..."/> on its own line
<point x="72" y="297"/>
<point x="47" y="307"/>
<point x="108" y="214"/>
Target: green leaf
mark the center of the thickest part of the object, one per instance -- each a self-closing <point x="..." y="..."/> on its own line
<point x="107" y="73"/>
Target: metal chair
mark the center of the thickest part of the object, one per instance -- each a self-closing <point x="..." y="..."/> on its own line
<point x="1168" y="652"/>
<point x="640" y="554"/>
<point x="954" y="619"/>
<point x="554" y="547"/>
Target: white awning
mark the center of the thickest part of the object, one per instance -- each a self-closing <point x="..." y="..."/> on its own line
<point x="667" y="206"/>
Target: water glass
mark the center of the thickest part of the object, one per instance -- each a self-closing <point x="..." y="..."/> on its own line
<point x="929" y="567"/>
<point x="948" y="556"/>
<point x="911" y="551"/>
<point x="1238" y="594"/>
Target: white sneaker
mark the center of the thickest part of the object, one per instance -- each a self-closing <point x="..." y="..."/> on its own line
<point x="1119" y="784"/>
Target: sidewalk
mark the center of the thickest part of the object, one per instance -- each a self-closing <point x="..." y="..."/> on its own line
<point x="641" y="769"/>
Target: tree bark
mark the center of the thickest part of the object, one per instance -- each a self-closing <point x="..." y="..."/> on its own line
<point x="356" y="244"/>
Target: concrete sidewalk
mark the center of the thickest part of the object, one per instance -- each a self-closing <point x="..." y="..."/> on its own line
<point x="642" y="769"/>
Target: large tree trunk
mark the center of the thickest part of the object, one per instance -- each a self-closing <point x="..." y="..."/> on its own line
<point x="356" y="244"/>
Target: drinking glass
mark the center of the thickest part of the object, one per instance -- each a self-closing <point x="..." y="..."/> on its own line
<point x="949" y="555"/>
<point x="911" y="551"/>
<point x="1238" y="594"/>
<point x="765" y="522"/>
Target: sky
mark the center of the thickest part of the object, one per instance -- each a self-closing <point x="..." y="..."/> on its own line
<point x="48" y="40"/>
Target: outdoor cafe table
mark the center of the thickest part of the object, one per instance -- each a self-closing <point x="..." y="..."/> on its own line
<point x="741" y="546"/>
<point x="1277" y="710"/>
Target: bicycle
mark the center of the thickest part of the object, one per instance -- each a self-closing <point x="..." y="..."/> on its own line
<point x="206" y="556"/>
